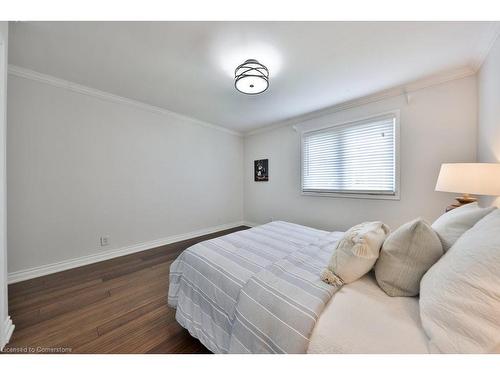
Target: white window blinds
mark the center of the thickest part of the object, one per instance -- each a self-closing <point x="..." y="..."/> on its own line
<point x="354" y="158"/>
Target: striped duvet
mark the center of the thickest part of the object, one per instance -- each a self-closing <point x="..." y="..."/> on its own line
<point x="253" y="291"/>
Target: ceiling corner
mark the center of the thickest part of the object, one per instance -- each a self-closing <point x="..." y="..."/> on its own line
<point x="492" y="37"/>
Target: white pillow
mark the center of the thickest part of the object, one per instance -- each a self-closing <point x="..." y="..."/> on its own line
<point x="460" y="294"/>
<point x="451" y="225"/>
<point x="405" y="257"/>
<point x="356" y="253"/>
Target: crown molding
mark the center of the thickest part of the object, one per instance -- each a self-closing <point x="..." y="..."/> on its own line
<point x="18" y="71"/>
<point x="494" y="34"/>
<point x="434" y="80"/>
<point x="401" y="90"/>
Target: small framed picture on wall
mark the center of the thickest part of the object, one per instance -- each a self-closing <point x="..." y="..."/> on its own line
<point x="261" y="170"/>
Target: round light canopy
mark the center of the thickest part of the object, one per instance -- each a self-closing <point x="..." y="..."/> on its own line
<point x="251" y="77"/>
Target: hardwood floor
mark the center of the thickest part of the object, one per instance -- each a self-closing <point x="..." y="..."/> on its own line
<point x="115" y="306"/>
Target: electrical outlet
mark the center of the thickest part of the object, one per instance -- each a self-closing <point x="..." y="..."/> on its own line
<point x="105" y="240"/>
<point x="272" y="218"/>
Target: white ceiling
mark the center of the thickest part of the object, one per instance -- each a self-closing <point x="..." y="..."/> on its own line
<point x="188" y="67"/>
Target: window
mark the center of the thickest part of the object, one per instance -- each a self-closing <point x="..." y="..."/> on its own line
<point x="355" y="159"/>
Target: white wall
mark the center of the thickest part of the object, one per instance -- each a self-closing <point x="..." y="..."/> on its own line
<point x="488" y="148"/>
<point x="437" y="126"/>
<point x="80" y="167"/>
<point x="5" y="323"/>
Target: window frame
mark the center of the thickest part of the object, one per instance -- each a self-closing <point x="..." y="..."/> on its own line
<point x="357" y="195"/>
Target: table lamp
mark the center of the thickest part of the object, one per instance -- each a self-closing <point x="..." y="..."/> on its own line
<point x="469" y="178"/>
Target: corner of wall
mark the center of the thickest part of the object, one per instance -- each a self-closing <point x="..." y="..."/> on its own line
<point x="5" y="327"/>
<point x="243" y="176"/>
<point x="488" y="112"/>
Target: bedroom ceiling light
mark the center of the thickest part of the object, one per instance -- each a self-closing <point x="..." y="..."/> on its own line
<point x="251" y="77"/>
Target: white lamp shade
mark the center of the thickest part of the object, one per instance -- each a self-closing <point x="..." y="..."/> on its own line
<point x="470" y="178"/>
<point x="252" y="84"/>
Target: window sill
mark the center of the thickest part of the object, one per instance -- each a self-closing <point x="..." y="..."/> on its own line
<point x="394" y="197"/>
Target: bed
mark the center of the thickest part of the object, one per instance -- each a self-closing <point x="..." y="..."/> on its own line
<point x="259" y="291"/>
<point x="361" y="319"/>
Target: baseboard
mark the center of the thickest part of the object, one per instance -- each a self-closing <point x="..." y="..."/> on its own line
<point x="250" y="224"/>
<point x="8" y="328"/>
<point x="47" y="269"/>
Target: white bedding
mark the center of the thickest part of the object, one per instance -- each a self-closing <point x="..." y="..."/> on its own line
<point x="206" y="281"/>
<point x="361" y="318"/>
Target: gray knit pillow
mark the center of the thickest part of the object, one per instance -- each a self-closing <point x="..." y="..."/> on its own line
<point x="405" y="257"/>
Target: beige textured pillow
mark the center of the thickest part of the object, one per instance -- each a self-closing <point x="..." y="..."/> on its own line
<point x="356" y="253"/>
<point x="405" y="257"/>
<point x="451" y="225"/>
<point x="460" y="294"/>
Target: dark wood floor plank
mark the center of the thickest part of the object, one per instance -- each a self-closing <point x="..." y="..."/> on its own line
<point x="71" y="279"/>
<point x="77" y="277"/>
<point x="78" y="340"/>
<point x="58" y="337"/>
<point x="47" y="298"/>
<point x="27" y="318"/>
<point x="30" y="302"/>
<point x="135" y="288"/>
<point x="114" y="306"/>
<point x="114" y="339"/>
<point x="130" y="316"/>
<point x="125" y="270"/>
<point x="89" y="316"/>
<point x="175" y="343"/>
<point x="149" y="335"/>
<point x="72" y="303"/>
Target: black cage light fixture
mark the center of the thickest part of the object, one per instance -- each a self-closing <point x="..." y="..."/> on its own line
<point x="251" y="77"/>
